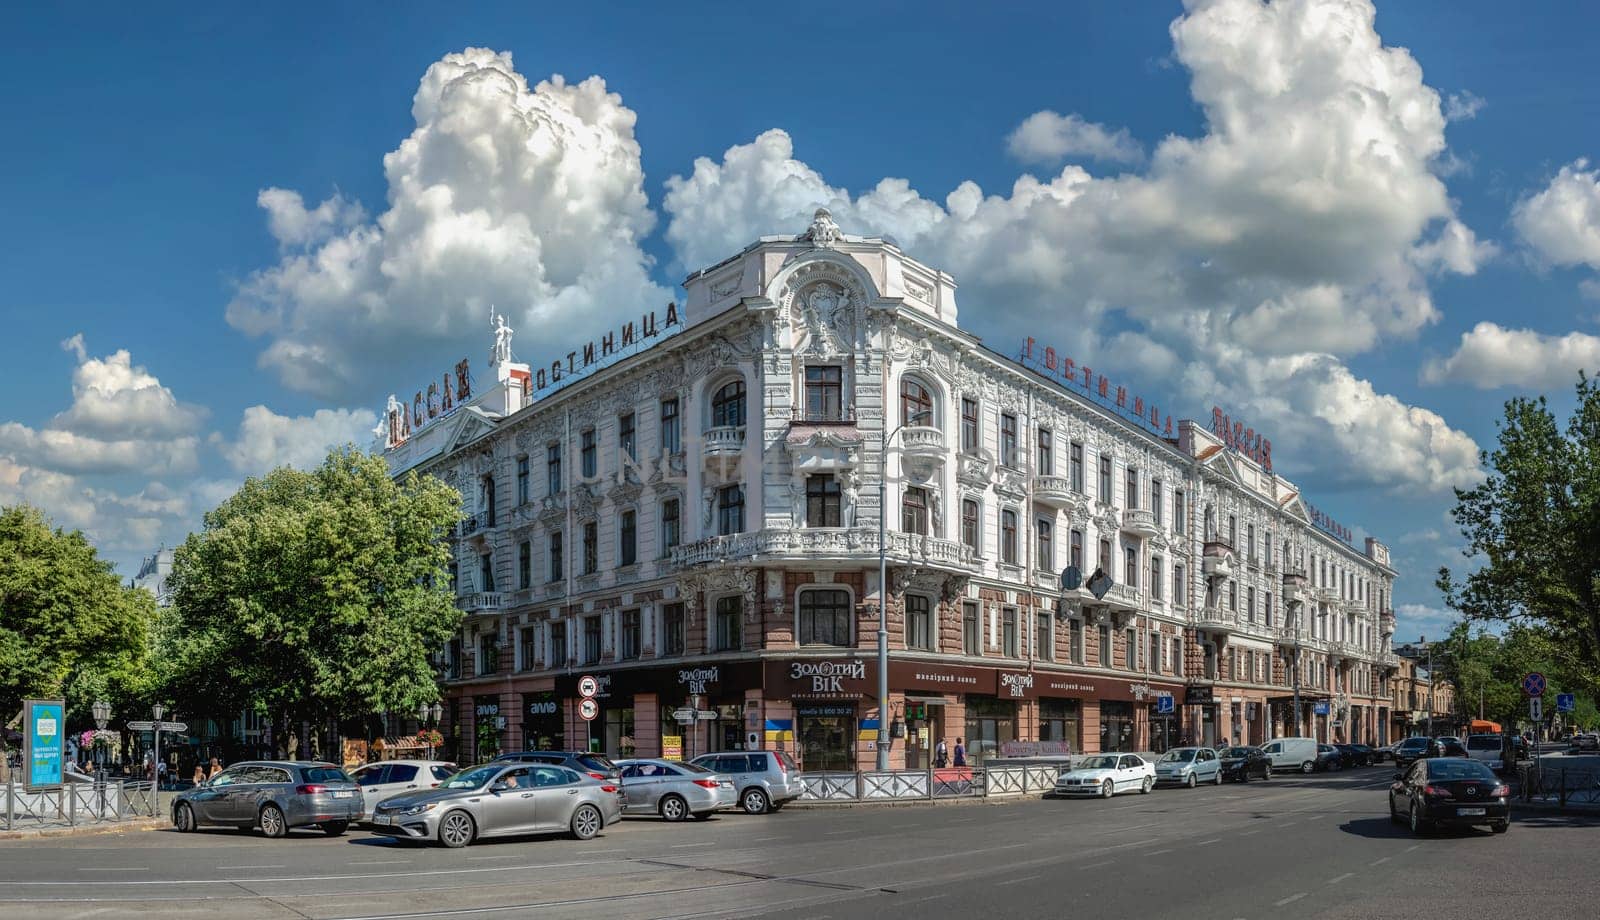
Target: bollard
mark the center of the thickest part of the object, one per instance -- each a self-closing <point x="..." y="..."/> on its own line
<point x="1563" y="787"/>
<point x="72" y="805"/>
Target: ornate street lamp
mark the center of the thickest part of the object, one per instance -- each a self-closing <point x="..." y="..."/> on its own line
<point x="102" y="714"/>
<point x="425" y="711"/>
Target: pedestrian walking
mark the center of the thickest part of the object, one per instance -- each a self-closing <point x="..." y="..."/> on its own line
<point x="961" y="753"/>
<point x="941" y="754"/>
<point x="161" y="774"/>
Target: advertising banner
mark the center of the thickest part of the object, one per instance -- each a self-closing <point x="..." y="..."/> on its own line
<point x="44" y="740"/>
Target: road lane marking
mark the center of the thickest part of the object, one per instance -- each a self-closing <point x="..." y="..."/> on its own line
<point x="1414" y="847"/>
<point x="1098" y="864"/>
<point x="252" y="867"/>
<point x="1248" y="833"/>
<point x="1379" y="862"/>
<point x="839" y="833"/>
<point x="1212" y="840"/>
<point x="687" y="846"/>
<point x="379" y="862"/>
<point x="1157" y="852"/>
<point x="1017" y="881"/>
<point x="1289" y="900"/>
<point x="128" y="869"/>
<point x="1337" y="880"/>
<point x="765" y="839"/>
<point x="506" y="856"/>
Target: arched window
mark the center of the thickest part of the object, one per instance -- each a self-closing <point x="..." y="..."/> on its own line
<point x="915" y="399"/>
<point x="727" y="406"/>
<point x="824" y="617"/>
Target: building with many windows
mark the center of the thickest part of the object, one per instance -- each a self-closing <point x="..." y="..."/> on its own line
<point x="688" y="511"/>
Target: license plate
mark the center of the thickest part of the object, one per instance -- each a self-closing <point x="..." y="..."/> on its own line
<point x="344" y="794"/>
<point x="382" y="819"/>
<point x="1469" y="811"/>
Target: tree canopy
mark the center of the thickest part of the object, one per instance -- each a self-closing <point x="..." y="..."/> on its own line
<point x="311" y="595"/>
<point x="69" y="628"/>
<point x="1535" y="523"/>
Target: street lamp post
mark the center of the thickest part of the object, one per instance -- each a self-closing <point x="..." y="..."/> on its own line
<point x="160" y="712"/>
<point x="101" y="711"/>
<point x="1424" y="641"/>
<point x="424" y="711"/>
<point x="885" y="436"/>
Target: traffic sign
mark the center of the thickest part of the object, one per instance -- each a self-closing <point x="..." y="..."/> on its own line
<point x="142" y="726"/>
<point x="588" y="686"/>
<point x="683" y="715"/>
<point x="1536" y="708"/>
<point x="1164" y="704"/>
<point x="164" y="726"/>
<point x="588" y="708"/>
<point x="1533" y="684"/>
<point x="1566" y="702"/>
<point x="1320" y="707"/>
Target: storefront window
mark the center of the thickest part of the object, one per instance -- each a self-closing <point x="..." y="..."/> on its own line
<point x="1061" y="721"/>
<point x="619" y="732"/>
<point x="1164" y="732"/>
<point x="827" y="737"/>
<point x="542" y="725"/>
<point x="1116" y="727"/>
<point x="991" y="722"/>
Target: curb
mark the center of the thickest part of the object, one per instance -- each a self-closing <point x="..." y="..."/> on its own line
<point x="144" y="824"/>
<point x="916" y="803"/>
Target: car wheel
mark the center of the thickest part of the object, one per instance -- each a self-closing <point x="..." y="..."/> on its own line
<point x="335" y="828"/>
<point x="674" y="808"/>
<point x="1146" y="786"/>
<point x="456" y="830"/>
<point x="272" y="822"/>
<point x="1500" y="827"/>
<point x="1418" y="826"/>
<point x="1107" y="789"/>
<point x="1266" y="772"/>
<point x="1308" y="767"/>
<point x="1394" y="814"/>
<point x="586" y="822"/>
<point x="754" y="802"/>
<point x="1191" y="781"/>
<point x="1216" y="779"/>
<point x="183" y="819"/>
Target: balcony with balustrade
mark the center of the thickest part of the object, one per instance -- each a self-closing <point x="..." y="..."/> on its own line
<point x="482" y="602"/>
<point x="1053" y="491"/>
<point x="1216" y="619"/>
<point x="1140" y="522"/>
<point x="921" y="442"/>
<point x="825" y="544"/>
<point x="722" y="444"/>
<point x="1386" y="622"/>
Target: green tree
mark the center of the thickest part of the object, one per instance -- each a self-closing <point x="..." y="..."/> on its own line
<point x="1535" y="521"/>
<point x="315" y="595"/>
<point x="69" y="628"/>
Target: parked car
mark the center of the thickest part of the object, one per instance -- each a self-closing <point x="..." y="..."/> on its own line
<point x="674" y="791"/>
<point x="1357" y="755"/>
<point x="1487" y="748"/>
<point x="1447" y="747"/>
<point x="1292" y="754"/>
<point x="1328" y="758"/>
<point x="1411" y="749"/>
<point x="502" y="799"/>
<point x="380" y="780"/>
<point x="1584" y="742"/>
<point x="1241" y="763"/>
<point x="597" y="766"/>
<point x="274" y="795"/>
<point x="1189" y="766"/>
<point x="766" y="780"/>
<point x="1449" y="791"/>
<point x="1106" y="775"/>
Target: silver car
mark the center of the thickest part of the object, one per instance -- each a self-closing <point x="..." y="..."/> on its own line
<point x="500" y="800"/>
<point x="274" y="795"/>
<point x="1189" y="766"/>
<point x="674" y="790"/>
<point x="766" y="780"/>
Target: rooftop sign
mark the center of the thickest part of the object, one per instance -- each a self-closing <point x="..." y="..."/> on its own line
<point x="1081" y="379"/>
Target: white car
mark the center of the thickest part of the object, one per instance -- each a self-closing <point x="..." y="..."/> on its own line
<point x="1106" y="775"/>
<point x="386" y="778"/>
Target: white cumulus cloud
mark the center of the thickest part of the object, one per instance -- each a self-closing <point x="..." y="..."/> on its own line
<point x="114" y="398"/>
<point x="1561" y="222"/>
<point x="527" y="198"/>
<point x="267" y="440"/>
<point x="1050" y="137"/>
<point x="1491" y="355"/>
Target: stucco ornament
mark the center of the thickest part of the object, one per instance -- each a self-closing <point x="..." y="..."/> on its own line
<point x="823" y="231"/>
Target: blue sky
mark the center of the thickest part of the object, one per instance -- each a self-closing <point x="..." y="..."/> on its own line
<point x="1271" y="208"/>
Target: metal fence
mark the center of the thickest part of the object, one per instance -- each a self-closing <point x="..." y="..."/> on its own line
<point x="75" y="804"/>
<point x="925" y="785"/>
<point x="1561" y="786"/>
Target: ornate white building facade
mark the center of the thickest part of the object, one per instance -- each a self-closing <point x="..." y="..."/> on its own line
<point x="695" y="525"/>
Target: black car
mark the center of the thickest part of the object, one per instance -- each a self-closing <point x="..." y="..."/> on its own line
<point x="1411" y="749"/>
<point x="1356" y="755"/>
<point x="1446" y="747"/>
<point x="1241" y="763"/>
<point x="595" y="765"/>
<point x="1449" y="791"/>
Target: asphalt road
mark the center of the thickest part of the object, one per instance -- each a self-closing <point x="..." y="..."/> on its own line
<point x="1294" y="847"/>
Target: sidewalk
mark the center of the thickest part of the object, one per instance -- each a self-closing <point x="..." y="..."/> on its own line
<point x="24" y="827"/>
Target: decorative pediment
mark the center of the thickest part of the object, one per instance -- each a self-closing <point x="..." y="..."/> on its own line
<point x="470" y="425"/>
<point x="973" y="470"/>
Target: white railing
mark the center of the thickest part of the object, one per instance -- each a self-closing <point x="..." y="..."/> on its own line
<point x="823" y="542"/>
<point x="924" y="785"/>
<point x="922" y="441"/>
<point x="482" y="602"/>
<point x="726" y="439"/>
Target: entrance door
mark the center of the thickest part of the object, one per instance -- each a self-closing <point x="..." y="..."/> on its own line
<point x="923" y="723"/>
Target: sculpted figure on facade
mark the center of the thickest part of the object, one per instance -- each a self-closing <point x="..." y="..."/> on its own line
<point x="500" y="353"/>
<point x="823" y="232"/>
<point x="849" y="493"/>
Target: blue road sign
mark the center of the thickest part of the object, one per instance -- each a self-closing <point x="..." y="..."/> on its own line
<point x="1320" y="707"/>
<point x="1533" y="684"/>
<point x="1566" y="702"/>
<point x="1164" y="704"/>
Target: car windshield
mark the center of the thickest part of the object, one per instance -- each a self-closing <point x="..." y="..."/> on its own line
<point x="473" y="777"/>
<point x="1414" y="743"/>
<point x="1183" y="755"/>
<point x="1236" y="752"/>
<point x="1099" y="763"/>
<point x="326" y="775"/>
<point x="1460" y="769"/>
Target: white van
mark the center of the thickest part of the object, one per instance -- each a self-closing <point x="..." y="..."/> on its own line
<point x="1292" y="753"/>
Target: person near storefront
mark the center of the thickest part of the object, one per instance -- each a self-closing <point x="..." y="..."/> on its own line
<point x="961" y="753"/>
<point x="941" y="754"/>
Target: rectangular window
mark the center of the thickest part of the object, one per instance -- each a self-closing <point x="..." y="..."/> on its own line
<point x="914" y="511"/>
<point x="919" y="622"/>
<point x="1266" y="608"/>
<point x="1076" y="559"/>
<point x="522" y="480"/>
<point x="452" y="659"/>
<point x="488" y="501"/>
<point x="1250" y="605"/>
<point x="1153" y="656"/>
<point x="1130" y="649"/>
<point x="1155" y="501"/>
<point x="629" y="549"/>
<point x="671" y="434"/>
<point x="1076" y="461"/>
<point x="486" y="572"/>
<point x="824" y="391"/>
<point x="552" y="468"/>
<point x="488" y="653"/>
<point x="1178" y="584"/>
<point x="557" y="569"/>
<point x="730" y="510"/>
<point x="1011" y="643"/>
<point x="1105" y="558"/>
<point x="1233" y="530"/>
<point x="971" y="641"/>
<point x="591" y="548"/>
<point x="625" y="438"/>
<point x="971" y="532"/>
<point x="671" y="528"/>
<point x="1233" y="596"/>
<point x="1179" y="513"/>
<point x="588" y="464"/>
<point x="558" y="644"/>
<point x="1250" y="542"/>
<point x="1008" y="440"/>
<point x="1045" y="458"/>
<point x="1105" y="646"/>
<point x="529" y="640"/>
<point x="969" y="425"/>
<point x="1044" y="546"/>
<point x="1130" y="567"/>
<point x="1008" y="537"/>
<point x="1105" y="480"/>
<point x="1075" y="636"/>
<point x="1130" y="489"/>
<point x="822" y="500"/>
<point x="672" y="634"/>
<point x="1043" y="642"/>
<point x="524" y="564"/>
<point x="729" y="623"/>
<point x="825" y="617"/>
<point x="628" y="646"/>
<point x="1155" y="577"/>
<point x="591" y="640"/>
<point x="1266" y="548"/>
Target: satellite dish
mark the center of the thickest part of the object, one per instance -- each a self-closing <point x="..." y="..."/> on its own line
<point x="1071" y="578"/>
<point x="1099" y="583"/>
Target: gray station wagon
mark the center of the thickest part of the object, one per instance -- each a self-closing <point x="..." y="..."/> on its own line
<point x="274" y="795"/>
<point x="766" y="780"/>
